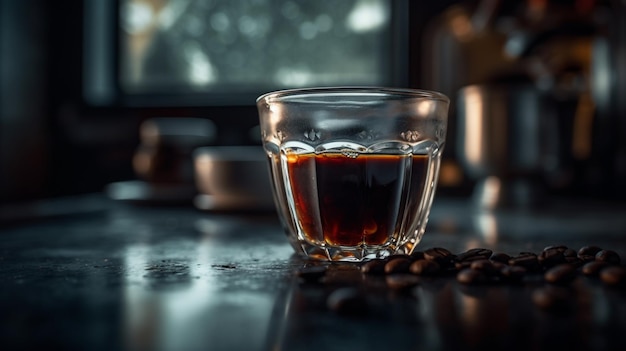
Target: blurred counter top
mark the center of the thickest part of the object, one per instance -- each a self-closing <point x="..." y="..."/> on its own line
<point x="104" y="275"/>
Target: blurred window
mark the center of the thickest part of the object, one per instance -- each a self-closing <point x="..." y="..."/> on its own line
<point x="219" y="46"/>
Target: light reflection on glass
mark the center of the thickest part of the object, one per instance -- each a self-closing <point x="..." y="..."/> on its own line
<point x="425" y="107"/>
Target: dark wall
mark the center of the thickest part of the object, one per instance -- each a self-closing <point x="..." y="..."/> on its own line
<point x="24" y="102"/>
<point x="50" y="144"/>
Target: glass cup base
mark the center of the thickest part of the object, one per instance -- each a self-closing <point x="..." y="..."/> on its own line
<point x="351" y="254"/>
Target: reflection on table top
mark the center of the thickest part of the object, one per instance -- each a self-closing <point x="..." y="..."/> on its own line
<point x="126" y="277"/>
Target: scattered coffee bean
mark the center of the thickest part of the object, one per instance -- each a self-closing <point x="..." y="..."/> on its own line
<point x="374" y="267"/>
<point x="589" y="251"/>
<point x="593" y="268"/>
<point x="440" y="255"/>
<point x="551" y="257"/>
<point x="512" y="273"/>
<point x="347" y="301"/>
<point x="424" y="267"/>
<point x="587" y="258"/>
<point x="467" y="263"/>
<point x="472" y="259"/>
<point x="485" y="266"/>
<point x="417" y="255"/>
<point x="613" y="275"/>
<point x="437" y="252"/>
<point x="556" y="264"/>
<point x="530" y="262"/>
<point x="570" y="253"/>
<point x="498" y="266"/>
<point x="311" y="274"/>
<point x="500" y="257"/>
<point x="559" y="248"/>
<point x="560" y="274"/>
<point x="398" y="265"/>
<point x="474" y="254"/>
<point x="471" y="276"/>
<point x="462" y="265"/>
<point x="609" y="256"/>
<point x="574" y="261"/>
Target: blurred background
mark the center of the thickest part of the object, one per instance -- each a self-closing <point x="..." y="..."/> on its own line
<point x="100" y="92"/>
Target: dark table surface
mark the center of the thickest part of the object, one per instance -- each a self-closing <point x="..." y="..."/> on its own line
<point x="90" y="274"/>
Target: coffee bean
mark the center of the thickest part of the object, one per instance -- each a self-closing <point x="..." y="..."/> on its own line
<point x="530" y="262"/>
<point x="558" y="263"/>
<point x="498" y="265"/>
<point x="613" y="275"/>
<point x="436" y="252"/>
<point x="559" y="248"/>
<point x="500" y="257"/>
<point x="570" y="253"/>
<point x="609" y="256"/>
<point x="474" y="254"/>
<point x="551" y="257"/>
<point x="462" y="265"/>
<point x="347" y="301"/>
<point x="574" y="261"/>
<point x="398" y="265"/>
<point x="374" y="267"/>
<point x="560" y="274"/>
<point x="586" y="258"/>
<point x="484" y="266"/>
<point x="424" y="267"/>
<point x="588" y="251"/>
<point x="593" y="268"/>
<point x="472" y="259"/>
<point x="440" y="255"/>
<point x="417" y="255"/>
<point x="466" y="263"/>
<point x="471" y="276"/>
<point x="312" y="273"/>
<point x="512" y="273"/>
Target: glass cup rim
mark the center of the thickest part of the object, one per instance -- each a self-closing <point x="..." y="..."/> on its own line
<point x="288" y="94"/>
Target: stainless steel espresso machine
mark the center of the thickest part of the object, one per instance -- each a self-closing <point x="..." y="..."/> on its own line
<point x="539" y="97"/>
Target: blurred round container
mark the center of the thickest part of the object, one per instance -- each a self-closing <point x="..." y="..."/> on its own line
<point x="232" y="178"/>
<point x="502" y="142"/>
<point x="167" y="143"/>
<point x="163" y="162"/>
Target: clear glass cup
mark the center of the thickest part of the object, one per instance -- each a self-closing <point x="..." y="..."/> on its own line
<point x="354" y="169"/>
